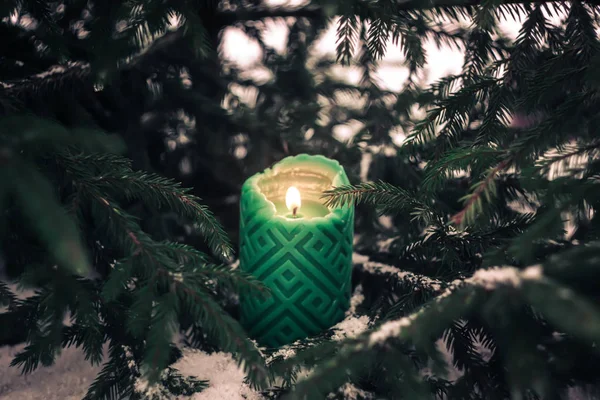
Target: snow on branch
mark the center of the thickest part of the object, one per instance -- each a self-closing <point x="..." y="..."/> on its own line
<point x="409" y="278"/>
<point x="487" y="279"/>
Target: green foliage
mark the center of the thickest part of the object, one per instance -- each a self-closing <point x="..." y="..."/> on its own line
<point x="387" y="198"/>
<point x="501" y="171"/>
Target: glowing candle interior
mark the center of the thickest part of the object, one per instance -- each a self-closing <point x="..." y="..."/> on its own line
<point x="293" y="201"/>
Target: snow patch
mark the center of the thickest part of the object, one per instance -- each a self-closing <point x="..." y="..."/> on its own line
<point x="68" y="379"/>
<point x="351" y="392"/>
<point x="356" y="300"/>
<point x="359" y="258"/>
<point x="226" y="378"/>
<point x="350" y="327"/>
<point x="489" y="279"/>
<point x="388" y="330"/>
<point x="534" y="272"/>
<point x="284" y="352"/>
<point x="418" y="281"/>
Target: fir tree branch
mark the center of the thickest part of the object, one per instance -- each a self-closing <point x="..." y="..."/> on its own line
<point x="7" y="297"/>
<point x="153" y="190"/>
<point x="387" y="198"/>
<point x="456" y="160"/>
<point x="565" y="154"/>
<point x="113" y="378"/>
<point x="414" y="281"/>
<point x="165" y="193"/>
<point x="163" y="326"/>
<point x="473" y="201"/>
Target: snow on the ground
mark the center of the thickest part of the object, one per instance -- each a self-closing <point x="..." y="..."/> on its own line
<point x="226" y="379"/>
<point x="351" y="392"/>
<point x="71" y="376"/>
<point x="68" y="379"/>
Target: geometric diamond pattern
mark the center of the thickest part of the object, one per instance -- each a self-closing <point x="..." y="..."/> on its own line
<point x="308" y="268"/>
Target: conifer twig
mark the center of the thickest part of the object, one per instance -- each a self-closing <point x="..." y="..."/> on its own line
<point x="474" y="198"/>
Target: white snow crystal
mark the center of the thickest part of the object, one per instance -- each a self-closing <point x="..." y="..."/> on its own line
<point x="359" y="258"/>
<point x="387" y="330"/>
<point x="533" y="272"/>
<point x="68" y="379"/>
<point x="226" y="379"/>
<point x="414" y="279"/>
<point x="351" y="392"/>
<point x="350" y="327"/>
<point x="356" y="300"/>
<point x="284" y="352"/>
<point x="143" y="387"/>
<point x="177" y="276"/>
<point x="491" y="278"/>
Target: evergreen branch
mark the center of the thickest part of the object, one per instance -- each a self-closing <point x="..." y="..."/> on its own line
<point x="569" y="154"/>
<point x="369" y="193"/>
<point x="412" y="280"/>
<point x="387" y="198"/>
<point x="113" y="378"/>
<point x="153" y="190"/>
<point x="451" y="248"/>
<point x="45" y="332"/>
<point x="456" y="160"/>
<point x="76" y="75"/>
<point x="64" y="76"/>
<point x="7" y="297"/>
<point x="179" y="385"/>
<point x="86" y="329"/>
<point x="163" y="326"/>
<point x="162" y="193"/>
<point x="453" y="112"/>
<point x="473" y="201"/>
<point x="432" y="319"/>
<point x="126" y="228"/>
<point x="347" y="37"/>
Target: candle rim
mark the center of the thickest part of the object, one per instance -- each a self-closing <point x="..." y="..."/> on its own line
<point x="339" y="179"/>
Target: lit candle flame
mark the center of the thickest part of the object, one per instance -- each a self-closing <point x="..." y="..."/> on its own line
<point x="292" y="199"/>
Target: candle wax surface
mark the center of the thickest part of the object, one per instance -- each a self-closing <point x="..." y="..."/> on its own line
<point x="309" y="209"/>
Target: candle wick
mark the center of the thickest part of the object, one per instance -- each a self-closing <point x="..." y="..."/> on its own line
<point x="294" y="211"/>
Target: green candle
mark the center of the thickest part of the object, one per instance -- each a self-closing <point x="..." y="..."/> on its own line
<point x="298" y="247"/>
